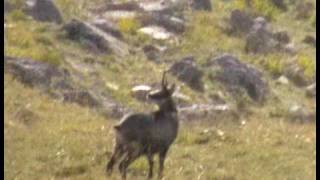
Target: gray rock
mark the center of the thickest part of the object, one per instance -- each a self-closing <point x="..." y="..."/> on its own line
<point x="92" y="36"/>
<point x="240" y="22"/>
<point x="282" y="37"/>
<point x="170" y="23"/>
<point x="311" y="90"/>
<point x="44" y="10"/>
<point x="289" y="48"/>
<point x="304" y="10"/>
<point x="280" y="4"/>
<point x="58" y="84"/>
<point x="79" y="31"/>
<point x="161" y="6"/>
<point x="235" y="74"/>
<point x="181" y="99"/>
<point x="296" y="75"/>
<point x="126" y="6"/>
<point x="108" y="27"/>
<point x="218" y="97"/>
<point x="201" y="5"/>
<point x="203" y="111"/>
<point x="298" y="113"/>
<point x="187" y="71"/>
<point x="283" y="80"/>
<point x="7" y="7"/>
<point x="310" y="40"/>
<point x="34" y="73"/>
<point x="153" y="52"/>
<point x="81" y="97"/>
<point x="140" y="92"/>
<point x="260" y="40"/>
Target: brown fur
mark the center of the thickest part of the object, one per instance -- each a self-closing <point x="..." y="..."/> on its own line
<point x="146" y="134"/>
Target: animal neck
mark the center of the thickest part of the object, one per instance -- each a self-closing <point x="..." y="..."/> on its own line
<point x="168" y="106"/>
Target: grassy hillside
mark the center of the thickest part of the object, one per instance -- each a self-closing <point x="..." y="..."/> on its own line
<point x="46" y="139"/>
<point x="49" y="139"/>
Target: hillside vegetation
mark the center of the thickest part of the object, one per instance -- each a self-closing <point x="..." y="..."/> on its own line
<point x="46" y="137"/>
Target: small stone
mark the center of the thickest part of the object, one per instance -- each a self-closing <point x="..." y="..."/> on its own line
<point x="283" y="80"/>
<point x="140" y="92"/>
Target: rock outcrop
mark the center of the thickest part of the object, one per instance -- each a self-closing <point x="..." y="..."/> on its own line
<point x="82" y="31"/>
<point x="234" y="74"/>
<point x="44" y="10"/>
<point x="187" y="71"/>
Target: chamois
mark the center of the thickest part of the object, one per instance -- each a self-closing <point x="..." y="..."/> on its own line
<point x="146" y="134"/>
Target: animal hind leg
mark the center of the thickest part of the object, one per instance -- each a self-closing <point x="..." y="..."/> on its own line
<point x="125" y="163"/>
<point x="117" y="153"/>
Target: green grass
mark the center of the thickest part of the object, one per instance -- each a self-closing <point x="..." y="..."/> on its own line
<point x="48" y="139"/>
<point x="261" y="8"/>
<point x="30" y="39"/>
<point x="129" y="25"/>
<point x="308" y="65"/>
<point x="75" y="143"/>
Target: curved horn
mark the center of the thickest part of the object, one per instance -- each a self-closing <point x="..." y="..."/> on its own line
<point x="164" y="80"/>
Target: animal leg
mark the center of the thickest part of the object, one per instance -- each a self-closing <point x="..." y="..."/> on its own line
<point x="124" y="164"/>
<point x="117" y="153"/>
<point x="150" y="161"/>
<point x="162" y="156"/>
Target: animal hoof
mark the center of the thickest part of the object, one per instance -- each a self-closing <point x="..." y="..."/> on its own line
<point x="108" y="172"/>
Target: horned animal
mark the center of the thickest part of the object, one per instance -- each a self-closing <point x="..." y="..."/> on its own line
<point x="143" y="134"/>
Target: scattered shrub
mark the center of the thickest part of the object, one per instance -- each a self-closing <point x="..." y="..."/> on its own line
<point x="22" y="42"/>
<point x="308" y="65"/>
<point x="17" y="15"/>
<point x="274" y="64"/>
<point x="129" y="25"/>
<point x="261" y="7"/>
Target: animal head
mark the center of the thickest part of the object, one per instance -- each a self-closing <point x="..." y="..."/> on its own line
<point x="164" y="93"/>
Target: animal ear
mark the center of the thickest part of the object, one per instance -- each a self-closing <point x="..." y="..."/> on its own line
<point x="172" y="88"/>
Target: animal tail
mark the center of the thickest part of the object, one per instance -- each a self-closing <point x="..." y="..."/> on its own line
<point x="117" y="127"/>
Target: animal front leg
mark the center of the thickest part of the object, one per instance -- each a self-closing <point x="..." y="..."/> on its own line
<point x="150" y="161"/>
<point x="162" y="156"/>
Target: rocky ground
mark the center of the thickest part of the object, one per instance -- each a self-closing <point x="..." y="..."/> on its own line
<point x="245" y="75"/>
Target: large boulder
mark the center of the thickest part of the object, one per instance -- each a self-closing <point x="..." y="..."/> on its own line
<point x="44" y="10"/>
<point x="7" y="7"/>
<point x="161" y="6"/>
<point x="170" y="23"/>
<point x="240" y="22"/>
<point x="282" y="37"/>
<point x="107" y="27"/>
<point x="110" y="6"/>
<point x="235" y="74"/>
<point x="92" y="36"/>
<point x="154" y="52"/>
<point x="201" y="5"/>
<point x="58" y="83"/>
<point x="140" y="92"/>
<point x="304" y="10"/>
<point x="34" y="73"/>
<point x="260" y="39"/>
<point x="187" y="71"/>
<point x="296" y="75"/>
<point x="81" y="97"/>
<point x="310" y="40"/>
<point x="280" y="4"/>
<point x="196" y="112"/>
<point x="311" y="90"/>
<point x="298" y="113"/>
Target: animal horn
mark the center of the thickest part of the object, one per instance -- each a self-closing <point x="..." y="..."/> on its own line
<point x="164" y="80"/>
